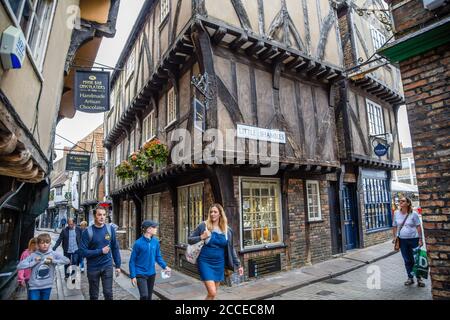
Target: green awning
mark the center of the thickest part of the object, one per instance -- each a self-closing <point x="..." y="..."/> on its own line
<point x="418" y="42"/>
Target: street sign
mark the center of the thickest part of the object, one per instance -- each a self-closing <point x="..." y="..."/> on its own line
<point x="262" y="134"/>
<point x="381" y="150"/>
<point x="78" y="162"/>
<point x="91" y="91"/>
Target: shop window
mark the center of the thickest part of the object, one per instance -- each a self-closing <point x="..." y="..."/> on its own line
<point x="152" y="207"/>
<point x="34" y="17"/>
<point x="190" y="210"/>
<point x="377" y="203"/>
<point x="59" y="191"/>
<point x="261" y="212"/>
<point x="313" y="198"/>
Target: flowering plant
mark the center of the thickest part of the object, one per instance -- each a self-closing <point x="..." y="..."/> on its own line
<point x="156" y="151"/>
<point x="125" y="171"/>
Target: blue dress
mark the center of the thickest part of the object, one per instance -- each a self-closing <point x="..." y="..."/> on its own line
<point x="211" y="261"/>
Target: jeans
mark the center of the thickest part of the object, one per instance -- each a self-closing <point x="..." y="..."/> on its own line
<point x="145" y="285"/>
<point x="39" y="294"/>
<point x="106" y="274"/>
<point x="73" y="257"/>
<point x="82" y="263"/>
<point x="406" y="248"/>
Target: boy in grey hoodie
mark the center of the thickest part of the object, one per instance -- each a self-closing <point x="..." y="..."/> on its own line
<point x="42" y="263"/>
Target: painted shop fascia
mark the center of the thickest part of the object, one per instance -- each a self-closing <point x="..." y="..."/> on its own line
<point x="264" y="76"/>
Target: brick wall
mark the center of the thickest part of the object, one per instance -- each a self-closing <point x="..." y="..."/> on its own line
<point x="296" y="212"/>
<point x="167" y="228"/>
<point x="426" y="84"/>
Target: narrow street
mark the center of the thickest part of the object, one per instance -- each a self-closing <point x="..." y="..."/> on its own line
<point x="354" y="285"/>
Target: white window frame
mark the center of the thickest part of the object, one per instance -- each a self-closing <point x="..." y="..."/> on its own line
<point x="319" y="207"/>
<point x="164" y="9"/>
<point x="37" y="53"/>
<point x="171" y="108"/>
<point x="148" y="126"/>
<point x="83" y="183"/>
<point x="375" y="118"/>
<point x="378" y="38"/>
<point x="241" y="220"/>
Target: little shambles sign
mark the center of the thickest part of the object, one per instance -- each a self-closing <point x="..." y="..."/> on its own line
<point x="78" y="162"/>
<point x="91" y="91"/>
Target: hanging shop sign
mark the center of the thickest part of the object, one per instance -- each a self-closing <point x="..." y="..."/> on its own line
<point x="262" y="134"/>
<point x="381" y="149"/>
<point x="78" y="162"/>
<point x="13" y="48"/>
<point x="91" y="91"/>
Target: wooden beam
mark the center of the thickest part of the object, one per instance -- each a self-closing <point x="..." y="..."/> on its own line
<point x="237" y="43"/>
<point x="219" y="35"/>
<point x="242" y="14"/>
<point x="269" y="52"/>
<point x="254" y="48"/>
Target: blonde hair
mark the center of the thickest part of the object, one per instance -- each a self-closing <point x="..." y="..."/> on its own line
<point x="32" y="244"/>
<point x="83" y="224"/>
<point x="223" y="221"/>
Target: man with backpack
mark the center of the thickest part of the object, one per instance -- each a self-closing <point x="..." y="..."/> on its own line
<point x="100" y="247"/>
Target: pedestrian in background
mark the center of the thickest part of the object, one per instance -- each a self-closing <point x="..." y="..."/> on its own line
<point x="83" y="226"/>
<point x="70" y="237"/>
<point x="63" y="222"/>
<point x="146" y="252"/>
<point x="42" y="263"/>
<point x="100" y="247"/>
<point x="407" y="227"/>
<point x="218" y="252"/>
<point x="23" y="275"/>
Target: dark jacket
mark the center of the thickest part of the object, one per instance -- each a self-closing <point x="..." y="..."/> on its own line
<point x="64" y="238"/>
<point x="231" y="259"/>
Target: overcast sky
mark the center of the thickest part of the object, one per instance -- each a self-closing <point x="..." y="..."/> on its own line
<point x="83" y="123"/>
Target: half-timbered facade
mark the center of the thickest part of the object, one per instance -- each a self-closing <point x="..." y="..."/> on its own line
<point x="276" y="66"/>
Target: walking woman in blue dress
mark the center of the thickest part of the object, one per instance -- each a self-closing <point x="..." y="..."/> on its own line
<point x="218" y="252"/>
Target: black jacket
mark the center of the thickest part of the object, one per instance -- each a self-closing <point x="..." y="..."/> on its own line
<point x="64" y="238"/>
<point x="231" y="259"/>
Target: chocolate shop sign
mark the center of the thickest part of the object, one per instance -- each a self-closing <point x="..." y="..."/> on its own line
<point x="91" y="91"/>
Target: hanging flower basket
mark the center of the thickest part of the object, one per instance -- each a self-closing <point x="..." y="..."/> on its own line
<point x="125" y="171"/>
<point x="156" y="152"/>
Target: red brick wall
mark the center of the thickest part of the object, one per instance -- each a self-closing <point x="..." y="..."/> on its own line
<point x="167" y="228"/>
<point x="427" y="91"/>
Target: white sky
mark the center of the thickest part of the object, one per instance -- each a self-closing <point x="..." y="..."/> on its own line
<point x="83" y="123"/>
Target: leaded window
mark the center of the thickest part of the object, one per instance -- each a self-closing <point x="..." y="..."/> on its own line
<point x="190" y="210"/>
<point x="261" y="212"/>
<point x="377" y="202"/>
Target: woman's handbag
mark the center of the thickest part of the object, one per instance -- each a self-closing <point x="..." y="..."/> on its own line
<point x="397" y="239"/>
<point x="193" y="251"/>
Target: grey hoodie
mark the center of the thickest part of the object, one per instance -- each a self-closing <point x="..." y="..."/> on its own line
<point x="42" y="275"/>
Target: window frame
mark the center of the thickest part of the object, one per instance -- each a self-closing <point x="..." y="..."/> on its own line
<point x="319" y="206"/>
<point x="151" y="197"/>
<point x="373" y="199"/>
<point x="118" y="156"/>
<point x="164" y="17"/>
<point x="150" y="119"/>
<point x="378" y="38"/>
<point x="188" y="231"/>
<point x="241" y="218"/>
<point x="377" y="123"/>
<point x="171" y="92"/>
<point x="58" y="191"/>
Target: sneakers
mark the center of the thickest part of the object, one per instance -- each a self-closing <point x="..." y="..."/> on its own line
<point x="420" y="283"/>
<point x="409" y="282"/>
